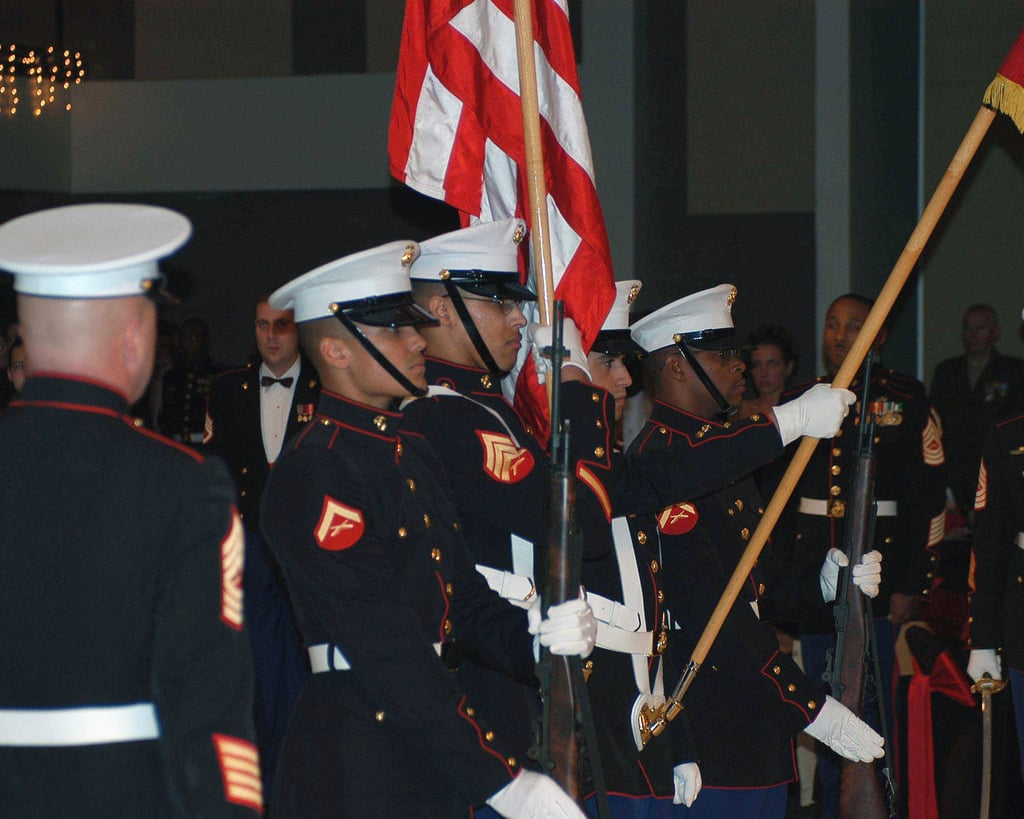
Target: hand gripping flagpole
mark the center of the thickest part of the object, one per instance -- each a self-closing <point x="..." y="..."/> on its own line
<point x="1006" y="94"/>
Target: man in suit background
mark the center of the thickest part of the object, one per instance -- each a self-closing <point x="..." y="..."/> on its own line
<point x="251" y="412"/>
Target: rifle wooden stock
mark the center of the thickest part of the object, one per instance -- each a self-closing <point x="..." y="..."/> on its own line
<point x="860" y="792"/>
<point x="562" y="582"/>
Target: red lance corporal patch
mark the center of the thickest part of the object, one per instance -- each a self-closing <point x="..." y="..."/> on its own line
<point x="339" y="526"/>
<point x="677" y="519"/>
<point x="503" y="460"/>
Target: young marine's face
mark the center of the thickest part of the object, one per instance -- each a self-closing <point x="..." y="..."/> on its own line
<point x="500" y="331"/>
<point x="371" y="384"/>
<point x="842" y="325"/>
<point x="276" y="337"/>
<point x="610" y="372"/>
<point x="769" y="369"/>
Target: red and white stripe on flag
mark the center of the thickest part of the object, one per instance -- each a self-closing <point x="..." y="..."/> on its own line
<point x="457" y="135"/>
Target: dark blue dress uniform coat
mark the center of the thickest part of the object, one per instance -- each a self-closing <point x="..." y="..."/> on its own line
<point x="374" y="560"/>
<point x="997" y="605"/>
<point x="910" y="471"/>
<point x="233" y="428"/>
<point x="748" y="700"/>
<point x="120" y="568"/>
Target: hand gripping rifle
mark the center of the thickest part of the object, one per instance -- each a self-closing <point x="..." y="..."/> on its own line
<point x="566" y="723"/>
<point x="860" y="792"/>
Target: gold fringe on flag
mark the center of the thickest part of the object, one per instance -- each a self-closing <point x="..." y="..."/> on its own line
<point x="1007" y="97"/>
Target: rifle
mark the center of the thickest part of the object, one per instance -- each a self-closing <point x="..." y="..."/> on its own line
<point x="860" y="792"/>
<point x="567" y="734"/>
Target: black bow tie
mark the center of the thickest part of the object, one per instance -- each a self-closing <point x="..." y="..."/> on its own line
<point x="266" y="381"/>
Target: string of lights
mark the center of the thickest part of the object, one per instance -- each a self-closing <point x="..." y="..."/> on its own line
<point x="43" y="77"/>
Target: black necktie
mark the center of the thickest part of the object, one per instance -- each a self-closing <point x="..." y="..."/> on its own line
<point x="266" y="381"/>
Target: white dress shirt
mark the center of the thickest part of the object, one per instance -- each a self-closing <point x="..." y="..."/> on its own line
<point x="275" y="403"/>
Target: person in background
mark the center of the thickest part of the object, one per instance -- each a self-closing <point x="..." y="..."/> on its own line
<point x="970" y="392"/>
<point x="16" y="365"/>
<point x="125" y="679"/>
<point x="186" y="386"/>
<point x="773" y="360"/>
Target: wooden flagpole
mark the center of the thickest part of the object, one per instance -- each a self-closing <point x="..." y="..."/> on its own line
<point x="536" y="186"/>
<point x="872" y="324"/>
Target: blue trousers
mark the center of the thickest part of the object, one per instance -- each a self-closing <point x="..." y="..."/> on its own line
<point x="280" y="665"/>
<point x="814" y="647"/>
<point x="1017" y="687"/>
<point x="725" y="803"/>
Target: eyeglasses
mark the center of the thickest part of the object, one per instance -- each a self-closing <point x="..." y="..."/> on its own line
<point x="281" y="325"/>
<point x="505" y="305"/>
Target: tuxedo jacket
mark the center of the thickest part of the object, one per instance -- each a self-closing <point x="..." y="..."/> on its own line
<point x="233" y="428"/>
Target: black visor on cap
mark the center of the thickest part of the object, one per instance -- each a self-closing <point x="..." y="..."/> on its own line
<point x="724" y="338"/>
<point x="492" y="283"/>
<point x="394" y="310"/>
<point x="616" y="342"/>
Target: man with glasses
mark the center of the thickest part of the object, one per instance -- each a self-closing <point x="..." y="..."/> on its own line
<point x="250" y="414"/>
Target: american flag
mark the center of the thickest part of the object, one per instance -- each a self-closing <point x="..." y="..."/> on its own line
<point x="457" y="135"/>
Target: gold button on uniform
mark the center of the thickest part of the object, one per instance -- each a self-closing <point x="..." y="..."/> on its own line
<point x="777" y="670"/>
<point x="811" y="705"/>
<point x="836" y="469"/>
<point x="835" y="490"/>
<point x="447" y="627"/>
<point x="398" y="449"/>
<point x="745" y="533"/>
<point x="739" y="504"/>
<point x="641" y="538"/>
<point x="836" y="452"/>
<point x="435" y="553"/>
<point x="379" y="716"/>
<point x="760" y="588"/>
<point x="402" y="531"/>
<point x="595" y="397"/>
<point x="791" y="688"/>
<point x="661" y="596"/>
<point x="489" y="736"/>
<point x="448" y="588"/>
<point x="511" y="761"/>
<point x="654" y="566"/>
<point x="411" y="484"/>
<point x="426" y="520"/>
<point x="470" y="712"/>
<point x="599" y="452"/>
<point x="245" y="470"/>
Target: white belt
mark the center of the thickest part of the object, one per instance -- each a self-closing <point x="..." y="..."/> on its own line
<point x="321" y="661"/>
<point x="1020" y="540"/>
<point x="639" y="643"/>
<point x="94" y="725"/>
<point x="518" y="589"/>
<point x="811" y="506"/>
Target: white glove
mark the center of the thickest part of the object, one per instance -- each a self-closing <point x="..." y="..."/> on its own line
<point x="846" y="734"/>
<point x="539" y="336"/>
<point x="867" y="575"/>
<point x="569" y="628"/>
<point x="819" y="413"/>
<point x="984" y="661"/>
<point x="534" y="796"/>
<point x="687" y="780"/>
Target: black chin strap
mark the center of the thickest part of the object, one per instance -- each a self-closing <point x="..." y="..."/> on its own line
<point x="378" y="356"/>
<point x="474" y="334"/>
<point x="724" y="406"/>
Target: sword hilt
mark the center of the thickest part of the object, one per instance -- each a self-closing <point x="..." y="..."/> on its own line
<point x="987" y="685"/>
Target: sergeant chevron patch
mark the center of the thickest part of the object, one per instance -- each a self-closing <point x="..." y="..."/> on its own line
<point x="503" y="460"/>
<point x="931" y="444"/>
<point x="339" y="527"/>
<point x="232" y="563"/>
<point x="677" y="519"/>
<point x="240" y="770"/>
<point x="981" y="498"/>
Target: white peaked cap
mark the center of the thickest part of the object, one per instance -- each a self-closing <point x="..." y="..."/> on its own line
<point x="379" y="271"/>
<point x="93" y="251"/>
<point x="707" y="310"/>
<point x="625" y="294"/>
<point x="487" y="246"/>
